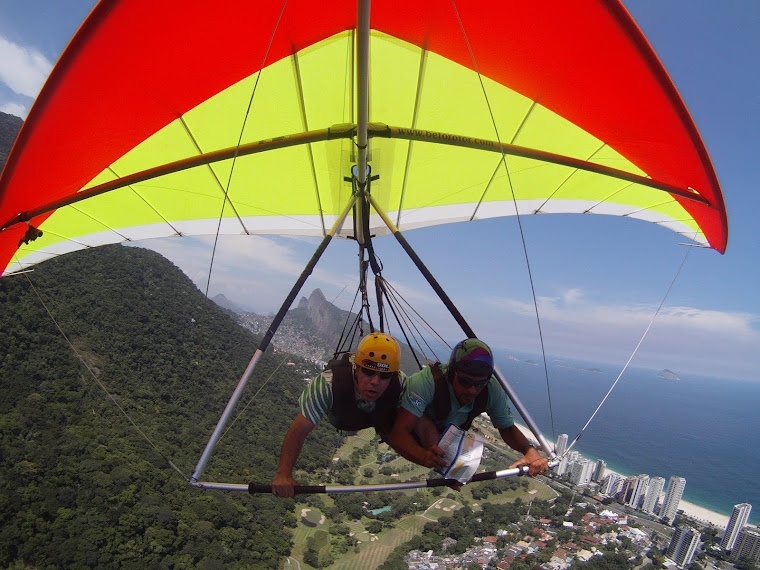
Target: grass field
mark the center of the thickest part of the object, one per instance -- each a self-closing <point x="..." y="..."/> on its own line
<point x="364" y="438"/>
<point x="374" y="553"/>
<point x="441" y="508"/>
<point x="300" y="534"/>
<point x="374" y="549"/>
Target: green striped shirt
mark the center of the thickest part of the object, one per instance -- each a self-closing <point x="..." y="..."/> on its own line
<point x="317" y="398"/>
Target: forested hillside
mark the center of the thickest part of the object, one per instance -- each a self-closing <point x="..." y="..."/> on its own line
<point x="80" y="487"/>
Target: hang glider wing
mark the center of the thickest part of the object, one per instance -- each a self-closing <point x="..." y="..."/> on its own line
<point x="163" y="118"/>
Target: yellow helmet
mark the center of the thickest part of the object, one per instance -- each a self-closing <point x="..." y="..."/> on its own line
<point x="378" y="351"/>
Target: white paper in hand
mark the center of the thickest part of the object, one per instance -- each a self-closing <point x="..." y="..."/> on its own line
<point x="462" y="452"/>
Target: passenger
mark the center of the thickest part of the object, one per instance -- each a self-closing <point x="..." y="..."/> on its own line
<point x="456" y="393"/>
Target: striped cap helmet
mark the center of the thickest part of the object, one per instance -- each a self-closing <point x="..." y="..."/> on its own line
<point x="472" y="356"/>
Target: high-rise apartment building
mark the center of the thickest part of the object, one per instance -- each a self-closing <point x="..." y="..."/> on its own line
<point x="599" y="470"/>
<point x="611" y="484"/>
<point x="683" y="545"/>
<point x="635" y="489"/>
<point x="656" y="486"/>
<point x="676" y="485"/>
<point x="581" y="471"/>
<point x="564" y="463"/>
<point x="747" y="546"/>
<point x="561" y="443"/>
<point x="736" y="523"/>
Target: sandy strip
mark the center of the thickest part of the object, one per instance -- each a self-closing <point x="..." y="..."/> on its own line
<point x="702" y="514"/>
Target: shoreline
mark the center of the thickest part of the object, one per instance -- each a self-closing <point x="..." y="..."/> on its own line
<point x="703" y="515"/>
<point x="692" y="510"/>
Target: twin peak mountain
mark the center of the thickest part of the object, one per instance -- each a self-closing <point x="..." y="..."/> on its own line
<point x="312" y="330"/>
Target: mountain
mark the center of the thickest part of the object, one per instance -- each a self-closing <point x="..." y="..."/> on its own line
<point x="326" y="317"/>
<point x="668" y="374"/>
<point x="296" y="334"/>
<point x="225" y="303"/>
<point x="313" y="329"/>
<point x="80" y="486"/>
<point x="10" y="125"/>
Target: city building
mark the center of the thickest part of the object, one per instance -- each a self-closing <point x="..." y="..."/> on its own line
<point x="581" y="472"/>
<point x="656" y="485"/>
<point x="736" y="523"/>
<point x="611" y="484"/>
<point x="561" y="443"/>
<point x="676" y="485"/>
<point x="564" y="463"/>
<point x="567" y="462"/>
<point x="599" y="471"/>
<point x="635" y="489"/>
<point x="747" y="545"/>
<point x="683" y="545"/>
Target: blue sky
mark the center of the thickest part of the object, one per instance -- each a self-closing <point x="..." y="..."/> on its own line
<point x="598" y="279"/>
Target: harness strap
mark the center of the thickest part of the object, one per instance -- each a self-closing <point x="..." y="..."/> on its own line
<point x="344" y="414"/>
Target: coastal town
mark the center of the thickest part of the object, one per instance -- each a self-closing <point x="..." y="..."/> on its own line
<point x="580" y="514"/>
<point x="629" y="520"/>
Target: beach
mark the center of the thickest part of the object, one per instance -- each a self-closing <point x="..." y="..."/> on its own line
<point x="703" y="515"/>
<point x="696" y="512"/>
<point x="700" y="514"/>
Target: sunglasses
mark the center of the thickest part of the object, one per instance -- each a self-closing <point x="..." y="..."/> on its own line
<point x="381" y="375"/>
<point x="470" y="383"/>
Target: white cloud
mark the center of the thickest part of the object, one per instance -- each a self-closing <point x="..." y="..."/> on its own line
<point x="573" y="307"/>
<point x="572" y="325"/>
<point x="13" y="108"/>
<point x="572" y="296"/>
<point x="259" y="271"/>
<point x="22" y="69"/>
<point x="254" y="271"/>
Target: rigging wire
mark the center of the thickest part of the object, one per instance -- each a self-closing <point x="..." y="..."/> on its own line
<point x="363" y="288"/>
<point x="517" y="215"/>
<point x="102" y="386"/>
<point x="252" y="399"/>
<point x="397" y="295"/>
<point x="380" y="284"/>
<point x="635" y="350"/>
<point x="239" y="142"/>
<point x="396" y="300"/>
<point x="343" y="337"/>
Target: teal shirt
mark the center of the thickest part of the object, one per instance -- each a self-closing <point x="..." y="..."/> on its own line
<point x="420" y="389"/>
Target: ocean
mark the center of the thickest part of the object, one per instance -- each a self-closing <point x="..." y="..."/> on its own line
<point x="703" y="429"/>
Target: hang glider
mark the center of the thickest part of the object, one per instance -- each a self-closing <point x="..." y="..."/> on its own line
<point x="178" y="118"/>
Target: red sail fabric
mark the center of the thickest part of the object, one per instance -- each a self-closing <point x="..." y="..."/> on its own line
<point x="137" y="65"/>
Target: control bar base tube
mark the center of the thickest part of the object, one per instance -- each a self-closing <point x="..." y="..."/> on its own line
<point x="429" y="483"/>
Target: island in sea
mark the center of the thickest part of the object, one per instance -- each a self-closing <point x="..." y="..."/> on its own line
<point x="668" y="375"/>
